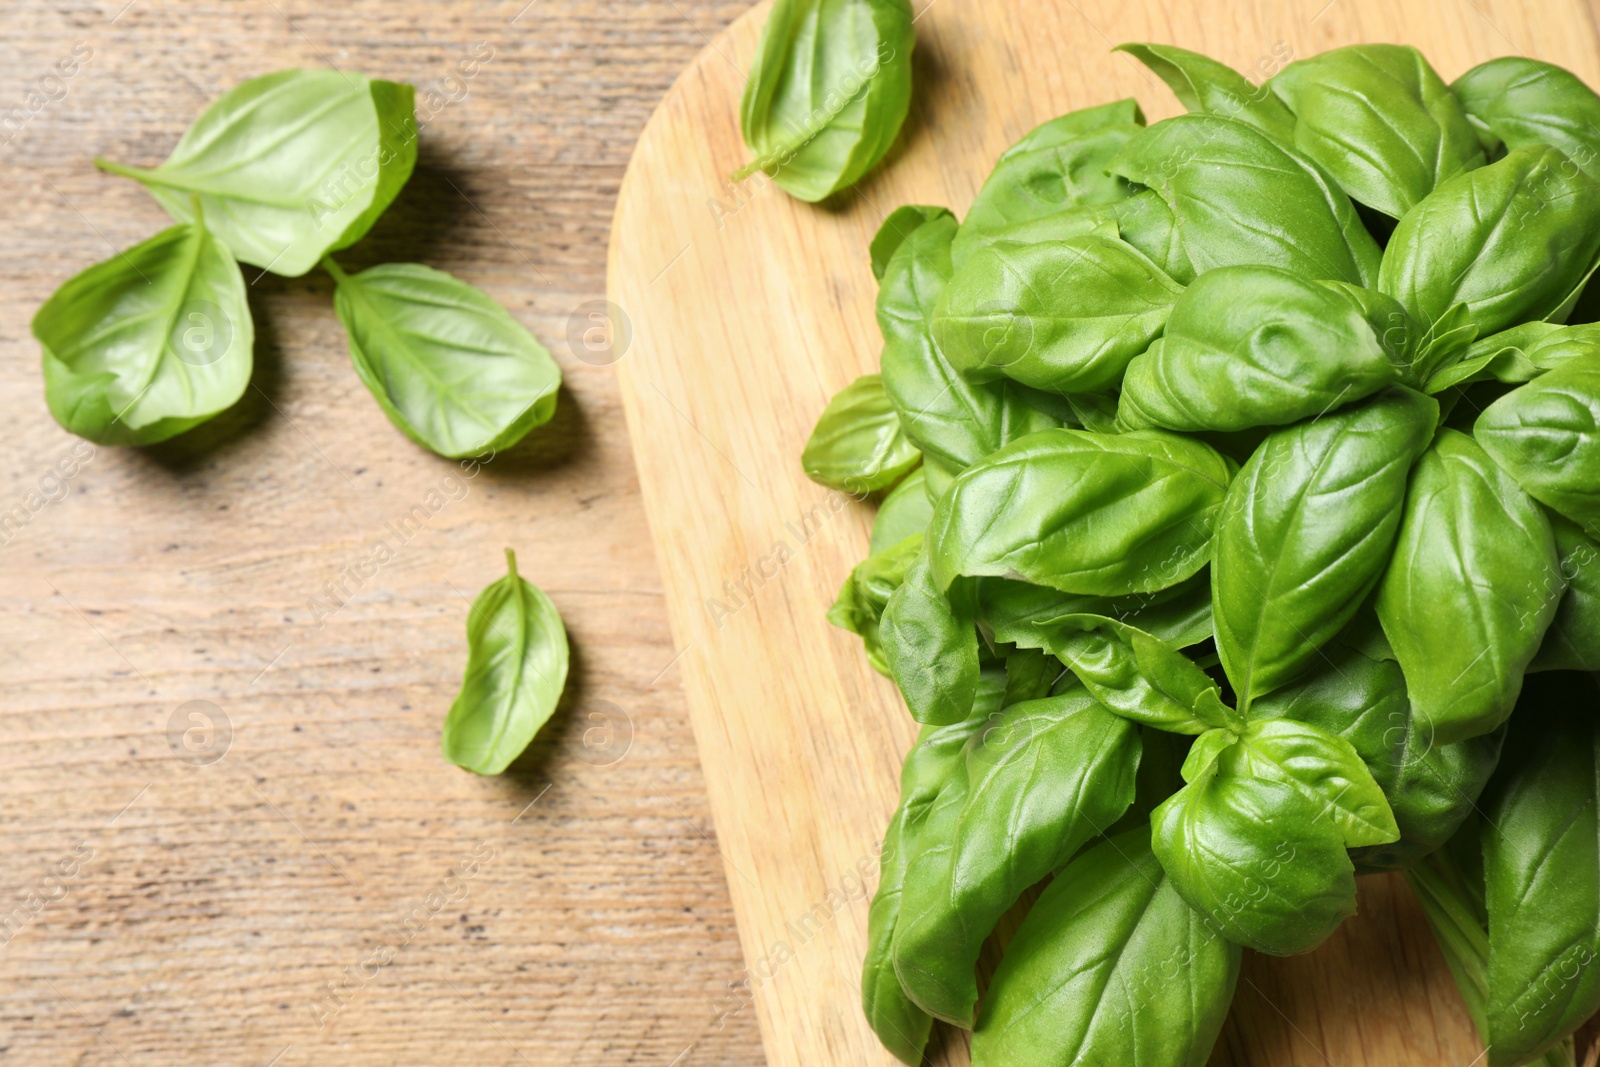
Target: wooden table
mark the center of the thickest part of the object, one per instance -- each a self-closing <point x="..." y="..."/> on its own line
<point x="158" y="912"/>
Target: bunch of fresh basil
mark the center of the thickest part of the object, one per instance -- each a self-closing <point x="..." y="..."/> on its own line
<point x="1259" y="465"/>
<point x="280" y="172"/>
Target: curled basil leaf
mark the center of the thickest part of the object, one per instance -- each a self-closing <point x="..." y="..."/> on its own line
<point x="1380" y="121"/>
<point x="1573" y="641"/>
<point x="1146" y="222"/>
<point x="290" y="166"/>
<point x="149" y="343"/>
<point x="449" y="366"/>
<point x="1513" y="241"/>
<point x="1083" y="513"/>
<point x="860" y="604"/>
<point x="516" y="670"/>
<point x="1204" y="85"/>
<point x="858" y="445"/>
<point x="900" y="225"/>
<point x="1546" y="434"/>
<point x="1472" y="589"/>
<point x="1520" y="102"/>
<point x="1307" y="529"/>
<point x="827" y="92"/>
<point x="1110" y="966"/>
<point x="1231" y="187"/>
<point x="1253" y="346"/>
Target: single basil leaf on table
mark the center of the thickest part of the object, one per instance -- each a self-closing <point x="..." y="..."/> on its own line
<point x="1520" y="102"/>
<point x="1472" y="588"/>
<point x="1059" y="165"/>
<point x="1573" y="641"/>
<point x="1541" y="843"/>
<point x="150" y="343"/>
<point x="858" y="445"/>
<point x="1381" y="121"/>
<point x="1546" y="434"/>
<point x="290" y="166"/>
<point x="859" y="606"/>
<point x="1513" y="241"/>
<point x="1064" y="316"/>
<point x="900" y="224"/>
<point x="1231" y="187"/>
<point x="448" y="365"/>
<point x="1308" y="527"/>
<point x="516" y="670"/>
<point x="1110" y="966"/>
<point x="1204" y="85"/>
<point x="827" y="92"/>
<point x="1084" y="513"/>
<point x="930" y="642"/>
<point x="905" y="511"/>
<point x="1253" y="346"/>
<point x="1043" y="778"/>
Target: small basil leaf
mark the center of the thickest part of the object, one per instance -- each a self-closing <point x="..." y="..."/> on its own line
<point x="290" y="166"/>
<point x="1513" y="241"/>
<point x="516" y="670"/>
<point x="1307" y="529"/>
<point x="859" y="606"/>
<point x="1397" y="332"/>
<point x="858" y="445"/>
<point x="1380" y="121"/>
<point x="1059" y="165"/>
<point x="1083" y="513"/>
<point x="1546" y="435"/>
<point x="1253" y="346"/>
<point x="1323" y="767"/>
<point x="900" y="225"/>
<point x="1499" y="361"/>
<point x="1553" y="348"/>
<point x="1110" y="966"/>
<point x="1573" y="641"/>
<point x="905" y="511"/>
<point x="1524" y="102"/>
<point x="449" y="366"/>
<point x="1231" y="187"/>
<point x="931" y="645"/>
<point x="148" y="344"/>
<point x="1065" y="316"/>
<point x="1044" y="777"/>
<point x="1541" y="840"/>
<point x="1473" y="586"/>
<point x="827" y="93"/>
<point x="1203" y="754"/>
<point x="1202" y="84"/>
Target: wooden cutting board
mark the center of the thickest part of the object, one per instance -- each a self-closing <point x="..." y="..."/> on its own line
<point x="739" y="312"/>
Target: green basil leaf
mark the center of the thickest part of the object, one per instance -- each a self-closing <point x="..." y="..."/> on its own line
<point x="1513" y="241"/>
<point x="1541" y="845"/>
<point x="1083" y="513"/>
<point x="905" y="511"/>
<point x="1546" y="435"/>
<point x="1204" y="85"/>
<point x="1501" y="357"/>
<point x="900" y="225"/>
<point x="148" y="344"/>
<point x="1063" y="316"/>
<point x="1110" y="966"/>
<point x="1573" y="641"/>
<point x="1060" y="226"/>
<point x="931" y="645"/>
<point x="1262" y="863"/>
<point x="1323" y="767"/>
<point x="516" y="670"/>
<point x="1021" y="614"/>
<point x="1307" y="529"/>
<point x="1253" y="346"/>
<point x="1031" y="674"/>
<point x="1523" y="102"/>
<point x="860" y="604"/>
<point x="1146" y="222"/>
<point x="1380" y="121"/>
<point x="1044" y="777"/>
<point x="858" y="445"/>
<point x="1552" y="348"/>
<point x="827" y="93"/>
<point x="449" y="366"/>
<point x="1398" y="334"/>
<point x="1471" y="591"/>
<point x="1231" y="187"/>
<point x="1059" y="165"/>
<point x="290" y="166"/>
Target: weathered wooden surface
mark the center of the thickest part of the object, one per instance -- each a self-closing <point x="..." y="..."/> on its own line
<point x="749" y="310"/>
<point x="209" y="907"/>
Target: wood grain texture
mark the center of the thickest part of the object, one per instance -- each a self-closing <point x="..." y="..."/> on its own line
<point x="749" y="311"/>
<point x="217" y="903"/>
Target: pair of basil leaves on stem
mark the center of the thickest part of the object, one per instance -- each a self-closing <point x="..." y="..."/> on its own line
<point x="278" y="173"/>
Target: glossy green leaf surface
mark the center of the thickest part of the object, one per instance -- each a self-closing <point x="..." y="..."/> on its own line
<point x="1521" y="102"/>
<point x="861" y="601"/>
<point x="1472" y="587"/>
<point x="905" y="511"/>
<point x="1111" y="966"/>
<point x="448" y="365"/>
<point x="1573" y="641"/>
<point x="290" y="166"/>
<point x="517" y="660"/>
<point x="1323" y="767"/>
<point x="1023" y="614"/>
<point x="827" y="92"/>
<point x="1546" y="434"/>
<point x="931" y="645"/>
<point x="901" y="224"/>
<point x="1204" y="85"/>
<point x="149" y="343"/>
